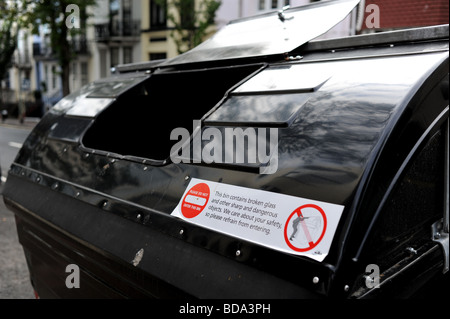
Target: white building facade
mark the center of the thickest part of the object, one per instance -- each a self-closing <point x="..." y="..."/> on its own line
<point x="121" y="32"/>
<point x="115" y="35"/>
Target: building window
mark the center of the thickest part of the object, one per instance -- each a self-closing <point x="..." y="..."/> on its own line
<point x="126" y="10"/>
<point x="127" y="22"/>
<point x="127" y="55"/>
<point x="46" y="78"/>
<point x="114" y="7"/>
<point x="84" y="73"/>
<point x="103" y="63"/>
<point x="158" y="16"/>
<point x="53" y="77"/>
<point x="187" y="14"/>
<point x="157" y="56"/>
<point x="264" y="5"/>
<point x="74" y="70"/>
<point x="114" y="57"/>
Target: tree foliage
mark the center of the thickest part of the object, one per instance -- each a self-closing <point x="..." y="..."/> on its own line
<point x="9" y="27"/>
<point x="8" y="34"/>
<point x="55" y="15"/>
<point x="191" y="20"/>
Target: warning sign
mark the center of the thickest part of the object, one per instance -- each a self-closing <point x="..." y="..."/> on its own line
<point x="286" y="223"/>
<point x="305" y="228"/>
<point x="195" y="200"/>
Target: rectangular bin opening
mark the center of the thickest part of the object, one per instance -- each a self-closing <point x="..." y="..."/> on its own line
<point x="140" y="121"/>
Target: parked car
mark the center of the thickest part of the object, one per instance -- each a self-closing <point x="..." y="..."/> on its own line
<point x="260" y="164"/>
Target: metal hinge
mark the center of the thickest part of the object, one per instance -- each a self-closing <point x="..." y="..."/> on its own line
<point x="282" y="16"/>
<point x="440" y="236"/>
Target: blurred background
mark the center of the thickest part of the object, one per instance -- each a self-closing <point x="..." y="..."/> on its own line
<point x="51" y="48"/>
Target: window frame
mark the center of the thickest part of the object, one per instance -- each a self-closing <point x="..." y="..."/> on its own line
<point x="160" y="14"/>
<point x="270" y="5"/>
<point x="435" y="126"/>
<point x="411" y="257"/>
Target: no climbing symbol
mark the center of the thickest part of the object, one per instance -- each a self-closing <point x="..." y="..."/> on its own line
<point x="305" y="228"/>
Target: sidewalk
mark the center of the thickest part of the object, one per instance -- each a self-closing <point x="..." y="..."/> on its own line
<point x="28" y="123"/>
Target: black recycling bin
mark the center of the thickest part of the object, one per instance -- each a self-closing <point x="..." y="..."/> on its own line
<point x="260" y="164"/>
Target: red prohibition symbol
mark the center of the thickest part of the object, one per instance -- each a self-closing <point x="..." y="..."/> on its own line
<point x="195" y="200"/>
<point x="300" y="221"/>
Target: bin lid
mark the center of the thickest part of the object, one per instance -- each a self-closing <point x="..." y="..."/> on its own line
<point x="276" y="32"/>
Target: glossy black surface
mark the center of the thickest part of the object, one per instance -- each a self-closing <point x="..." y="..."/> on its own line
<point x="342" y="143"/>
<point x="273" y="33"/>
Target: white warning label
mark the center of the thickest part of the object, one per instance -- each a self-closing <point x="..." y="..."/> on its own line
<point x="286" y="223"/>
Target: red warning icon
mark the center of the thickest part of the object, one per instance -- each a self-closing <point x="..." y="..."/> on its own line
<point x="305" y="228"/>
<point x="195" y="200"/>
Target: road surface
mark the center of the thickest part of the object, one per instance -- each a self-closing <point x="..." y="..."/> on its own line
<point x="14" y="275"/>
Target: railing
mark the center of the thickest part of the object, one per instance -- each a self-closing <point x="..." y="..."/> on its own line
<point x="79" y="46"/>
<point x="121" y="28"/>
<point x="9" y="96"/>
<point x="21" y="60"/>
